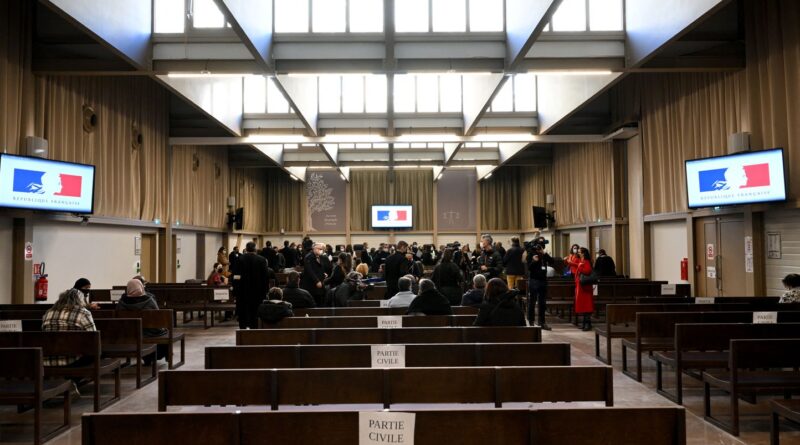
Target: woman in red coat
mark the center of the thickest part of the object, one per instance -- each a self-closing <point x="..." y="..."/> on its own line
<point x="584" y="295"/>
<point x="573" y="259"/>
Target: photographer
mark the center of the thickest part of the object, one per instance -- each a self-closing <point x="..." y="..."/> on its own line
<point x="538" y="261"/>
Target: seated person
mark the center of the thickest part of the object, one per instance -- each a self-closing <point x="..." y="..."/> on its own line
<point x="85" y="286"/>
<point x="295" y="295"/>
<point x="274" y="309"/>
<point x="405" y="296"/>
<point x="792" y="284"/>
<point x="216" y="277"/>
<point x="363" y="269"/>
<point x="352" y="288"/>
<point x="429" y="301"/>
<point x="500" y="307"/>
<point x="474" y="296"/>
<point x="136" y="298"/>
<point x="68" y="314"/>
<point x="414" y="283"/>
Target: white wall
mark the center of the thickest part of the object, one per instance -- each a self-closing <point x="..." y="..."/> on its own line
<point x="787" y="223"/>
<point x="669" y="247"/>
<point x="578" y="237"/>
<point x="213" y="243"/>
<point x="103" y="254"/>
<point x="5" y="260"/>
<point x="187" y="257"/>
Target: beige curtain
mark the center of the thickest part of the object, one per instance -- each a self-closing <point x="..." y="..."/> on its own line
<point x="582" y="182"/>
<point x="773" y="79"/>
<point x="367" y="188"/>
<point x="16" y="80"/>
<point x="200" y="185"/>
<point x="285" y="203"/>
<point x="415" y="187"/>
<point x="535" y="184"/>
<point x="249" y="187"/>
<point x="500" y="198"/>
<point x="131" y="177"/>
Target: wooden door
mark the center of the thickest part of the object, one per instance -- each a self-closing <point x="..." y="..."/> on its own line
<point x="148" y="261"/>
<point x="719" y="256"/>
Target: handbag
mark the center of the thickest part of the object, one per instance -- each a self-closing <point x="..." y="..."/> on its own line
<point x="587" y="280"/>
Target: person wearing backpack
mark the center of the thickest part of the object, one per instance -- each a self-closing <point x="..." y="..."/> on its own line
<point x="500" y="306"/>
<point x="585" y="279"/>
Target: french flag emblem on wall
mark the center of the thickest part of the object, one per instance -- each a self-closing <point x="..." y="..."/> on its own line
<point x="46" y="183"/>
<point x="392" y="215"/>
<point x="731" y="178"/>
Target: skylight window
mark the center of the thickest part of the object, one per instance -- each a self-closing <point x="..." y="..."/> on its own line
<point x="450" y="93"/>
<point x="411" y="16"/>
<point x="168" y="16"/>
<point x="427" y="93"/>
<point x="570" y="16"/>
<point x="524" y="92"/>
<point x="206" y="14"/>
<point x="404" y="93"/>
<point x="276" y="102"/>
<point x="504" y="99"/>
<point x="255" y="94"/>
<point x="329" y="15"/>
<point x="485" y="15"/>
<point x="605" y="15"/>
<point x="449" y="15"/>
<point x="366" y="15"/>
<point x="375" y="90"/>
<point x="353" y="94"/>
<point x="291" y="16"/>
<point x="330" y="94"/>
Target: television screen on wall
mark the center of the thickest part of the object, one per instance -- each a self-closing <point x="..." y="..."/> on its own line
<point x="41" y="184"/>
<point x="391" y="216"/>
<point x="742" y="178"/>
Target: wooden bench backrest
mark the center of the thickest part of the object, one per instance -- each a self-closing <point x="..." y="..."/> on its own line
<point x="359" y="356"/>
<point x="765" y="352"/>
<point x="120" y="331"/>
<point x="151" y="318"/>
<point x="371" y="310"/>
<point x="21" y="364"/>
<point x="371" y="321"/>
<point x="61" y="343"/>
<point x="387" y="336"/>
<point x="662" y="324"/>
<point x="717" y="336"/>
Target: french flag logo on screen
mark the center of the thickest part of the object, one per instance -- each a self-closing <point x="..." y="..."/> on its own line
<point x="47" y="183"/>
<point x="734" y="178"/>
<point x="392" y="215"/>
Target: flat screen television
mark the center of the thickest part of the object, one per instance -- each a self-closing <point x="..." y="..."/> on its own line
<point x="391" y="216"/>
<point x="42" y="184"/>
<point x="742" y="178"/>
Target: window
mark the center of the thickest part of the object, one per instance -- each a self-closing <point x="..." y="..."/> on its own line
<point x="291" y="16"/>
<point x="524" y="92"/>
<point x="570" y="16"/>
<point x="328" y="16"/>
<point x="450" y="93"/>
<point x="353" y="94"/>
<point x="411" y="15"/>
<point x="404" y="96"/>
<point x="504" y="99"/>
<point x="605" y="15"/>
<point x="276" y="103"/>
<point x="330" y="93"/>
<point x="427" y="93"/>
<point x="485" y="15"/>
<point x="375" y="90"/>
<point x="449" y="15"/>
<point x="255" y="94"/>
<point x="366" y="15"/>
<point x="168" y="16"/>
<point x="205" y="14"/>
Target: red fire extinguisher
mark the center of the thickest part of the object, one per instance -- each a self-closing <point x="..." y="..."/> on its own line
<point x="40" y="288"/>
<point x="685" y="269"/>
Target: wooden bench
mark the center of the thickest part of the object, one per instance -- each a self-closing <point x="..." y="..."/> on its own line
<point x="73" y="344"/>
<point x="789" y="409"/>
<point x="530" y="334"/>
<point x="22" y="383"/>
<point x="122" y="338"/>
<point x="753" y="365"/>
<point x="355" y="311"/>
<point x="416" y="355"/>
<point x="275" y="387"/>
<point x="618" y="426"/>
<point x="160" y="319"/>
<point x="408" y="321"/>
<point x="703" y="346"/>
<point x="30" y="314"/>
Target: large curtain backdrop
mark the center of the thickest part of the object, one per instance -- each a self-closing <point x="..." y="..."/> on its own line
<point x="285" y="203"/>
<point x="582" y="182"/>
<point x="367" y="188"/>
<point x="535" y="184"/>
<point x="15" y="77"/>
<point x="507" y="197"/>
<point x="131" y="177"/>
<point x="773" y="80"/>
<point x="249" y="187"/>
<point x="200" y="185"/>
<point x="415" y="187"/>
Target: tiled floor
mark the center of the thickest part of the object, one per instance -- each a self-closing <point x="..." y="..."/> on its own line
<point x="16" y="428"/>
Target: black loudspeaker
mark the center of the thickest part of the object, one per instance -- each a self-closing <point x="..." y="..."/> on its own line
<point x="239" y="219"/>
<point x="539" y="217"/>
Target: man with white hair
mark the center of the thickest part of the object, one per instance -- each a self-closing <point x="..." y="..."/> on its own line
<point x="313" y="274"/>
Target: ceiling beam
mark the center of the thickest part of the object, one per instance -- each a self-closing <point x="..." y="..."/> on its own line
<point x="478" y="92"/>
<point x="218" y="97"/>
<point x="525" y="21"/>
<point x="301" y="92"/>
<point x="252" y="22"/>
<point x="561" y="95"/>
<point x="367" y="138"/>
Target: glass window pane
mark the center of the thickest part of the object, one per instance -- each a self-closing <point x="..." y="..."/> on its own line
<point x="504" y="100"/>
<point x="330" y="94"/>
<point x="411" y="16"/>
<point x="404" y="95"/>
<point x="419" y="145"/>
<point x="570" y="16"/>
<point x="328" y="16"/>
<point x="427" y="93"/>
<point x="207" y="15"/>
<point x="255" y="94"/>
<point x="276" y="103"/>
<point x="449" y="15"/>
<point x="450" y="91"/>
<point x="168" y="16"/>
<point x="524" y="92"/>
<point x="605" y="15"/>
<point x="376" y="93"/>
<point x="366" y="15"/>
<point x="353" y="94"/>
<point x="291" y="16"/>
<point x="485" y="15"/>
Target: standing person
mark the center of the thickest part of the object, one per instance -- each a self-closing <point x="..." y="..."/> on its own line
<point x="498" y="247"/>
<point x="448" y="279"/>
<point x="397" y="265"/>
<point x="222" y="259"/>
<point x="572" y="259"/>
<point x="538" y="261"/>
<point x="490" y="262"/>
<point x="313" y="274"/>
<point x="604" y="265"/>
<point x="512" y="260"/>
<point x="252" y="285"/>
<point x="233" y="259"/>
<point x="500" y="307"/>
<point x="340" y="270"/>
<point x="584" y="294"/>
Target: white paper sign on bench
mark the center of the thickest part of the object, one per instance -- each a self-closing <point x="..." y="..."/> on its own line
<point x="667" y="289"/>
<point x="10" y="325"/>
<point x="704" y="300"/>
<point x="388" y="356"/>
<point x="384" y="427"/>
<point x="116" y="294"/>
<point x="384" y="303"/>
<point x="390" y="321"/>
<point x="765" y="317"/>
<point x="222" y="294"/>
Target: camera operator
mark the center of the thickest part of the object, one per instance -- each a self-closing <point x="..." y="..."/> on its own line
<point x="538" y="261"/>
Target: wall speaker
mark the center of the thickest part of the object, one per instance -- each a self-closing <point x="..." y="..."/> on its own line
<point x="38" y="147"/>
<point x="539" y="217"/>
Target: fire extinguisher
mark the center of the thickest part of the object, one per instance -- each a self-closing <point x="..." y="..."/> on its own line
<point x="40" y="288"/>
<point x="685" y="269"/>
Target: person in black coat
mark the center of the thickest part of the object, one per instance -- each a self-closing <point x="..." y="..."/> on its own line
<point x="500" y="307"/>
<point x="251" y="288"/>
<point x="512" y="260"/>
<point x="233" y="259"/>
<point x="340" y="270"/>
<point x="397" y="265"/>
<point x="490" y="263"/>
<point x="274" y="308"/>
<point x="313" y="274"/>
<point x="270" y="254"/>
<point x="299" y="298"/>
<point x="448" y="279"/>
<point x="604" y="265"/>
<point x="429" y="301"/>
<point x="474" y="296"/>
